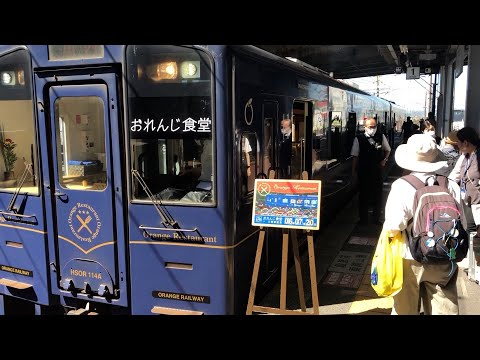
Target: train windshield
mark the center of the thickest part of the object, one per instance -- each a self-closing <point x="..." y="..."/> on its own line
<point x="170" y="122"/>
<point x="18" y="148"/>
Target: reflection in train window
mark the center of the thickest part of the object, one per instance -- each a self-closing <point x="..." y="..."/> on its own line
<point x="248" y="159"/>
<point x="80" y="134"/>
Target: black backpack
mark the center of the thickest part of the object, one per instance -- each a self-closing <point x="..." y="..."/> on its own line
<point x="438" y="236"/>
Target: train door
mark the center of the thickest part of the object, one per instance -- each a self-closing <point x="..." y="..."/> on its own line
<point x="272" y="251"/>
<point x="351" y="132"/>
<point x="334" y="136"/>
<point x="301" y="135"/>
<point x="86" y="192"/>
<point x="270" y="128"/>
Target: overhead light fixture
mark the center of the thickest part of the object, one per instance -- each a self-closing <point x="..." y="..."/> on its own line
<point x="427" y="56"/>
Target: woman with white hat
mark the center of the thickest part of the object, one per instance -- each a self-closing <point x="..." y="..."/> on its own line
<point x="435" y="283"/>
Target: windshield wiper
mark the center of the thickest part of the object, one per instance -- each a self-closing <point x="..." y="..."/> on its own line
<point x="21" y="181"/>
<point x="166" y="218"/>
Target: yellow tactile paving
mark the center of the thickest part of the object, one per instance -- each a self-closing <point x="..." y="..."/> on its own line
<point x="367" y="302"/>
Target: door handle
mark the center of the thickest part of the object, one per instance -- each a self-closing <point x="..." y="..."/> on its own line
<point x="58" y="193"/>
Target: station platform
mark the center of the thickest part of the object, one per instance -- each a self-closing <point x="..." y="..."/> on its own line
<point x="343" y="255"/>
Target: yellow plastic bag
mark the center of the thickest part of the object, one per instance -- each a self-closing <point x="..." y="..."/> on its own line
<point x="386" y="275"/>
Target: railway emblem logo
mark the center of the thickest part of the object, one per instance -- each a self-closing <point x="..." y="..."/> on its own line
<point x="248" y="112"/>
<point x="84" y="222"/>
<point x="263" y="189"/>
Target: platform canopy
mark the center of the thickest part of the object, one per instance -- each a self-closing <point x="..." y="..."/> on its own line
<point x="352" y="61"/>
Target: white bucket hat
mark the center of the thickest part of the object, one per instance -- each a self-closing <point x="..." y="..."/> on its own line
<point x="421" y="154"/>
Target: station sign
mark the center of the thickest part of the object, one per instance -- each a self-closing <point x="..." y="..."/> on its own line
<point x="287" y="203"/>
<point x="413" y="73"/>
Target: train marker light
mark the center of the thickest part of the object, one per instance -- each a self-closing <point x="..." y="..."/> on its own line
<point x="190" y="69"/>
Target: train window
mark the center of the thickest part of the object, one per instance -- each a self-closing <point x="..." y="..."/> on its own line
<point x="171" y="123"/>
<point x="268" y="145"/>
<point x="18" y="146"/>
<point x="74" y="52"/>
<point x="270" y="115"/>
<point x="248" y="165"/>
<point x="80" y="134"/>
<point x="336" y="122"/>
<point x="320" y="143"/>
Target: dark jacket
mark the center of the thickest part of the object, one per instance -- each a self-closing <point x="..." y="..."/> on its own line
<point x="370" y="154"/>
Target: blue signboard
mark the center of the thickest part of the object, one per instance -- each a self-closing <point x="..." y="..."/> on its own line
<point x="287" y="203"/>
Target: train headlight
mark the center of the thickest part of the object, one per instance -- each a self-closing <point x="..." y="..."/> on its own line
<point x="139" y="71"/>
<point x="8" y="77"/>
<point x="163" y="71"/>
<point x="190" y="69"/>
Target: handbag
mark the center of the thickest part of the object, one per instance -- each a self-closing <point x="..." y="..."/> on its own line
<point x="386" y="274"/>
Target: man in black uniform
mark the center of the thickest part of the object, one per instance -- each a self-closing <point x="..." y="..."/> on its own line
<point x="370" y="152"/>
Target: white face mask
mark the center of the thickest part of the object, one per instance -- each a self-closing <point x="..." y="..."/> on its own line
<point x="370" y="132"/>
<point x="285" y="131"/>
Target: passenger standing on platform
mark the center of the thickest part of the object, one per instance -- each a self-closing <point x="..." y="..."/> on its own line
<point x="450" y="150"/>
<point x="467" y="174"/>
<point x="407" y="129"/>
<point x="430" y="125"/>
<point x="415" y="129"/>
<point x="422" y="125"/>
<point x="285" y="149"/>
<point x="370" y="152"/>
<point x="435" y="284"/>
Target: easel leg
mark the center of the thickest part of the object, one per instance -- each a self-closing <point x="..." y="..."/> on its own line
<point x="256" y="266"/>
<point x="283" y="283"/>
<point x="2" y="304"/>
<point x="313" y="273"/>
<point x="298" y="270"/>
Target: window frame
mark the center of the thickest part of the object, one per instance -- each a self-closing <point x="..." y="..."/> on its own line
<point x="214" y="194"/>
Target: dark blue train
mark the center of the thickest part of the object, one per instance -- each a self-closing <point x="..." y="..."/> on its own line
<point x="127" y="172"/>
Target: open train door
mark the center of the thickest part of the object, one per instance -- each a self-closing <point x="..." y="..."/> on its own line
<point x="301" y="136"/>
<point x="87" y="192"/>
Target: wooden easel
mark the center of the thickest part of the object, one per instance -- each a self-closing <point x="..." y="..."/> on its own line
<point x="283" y="284"/>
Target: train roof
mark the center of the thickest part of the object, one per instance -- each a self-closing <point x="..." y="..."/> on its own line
<point x="299" y="68"/>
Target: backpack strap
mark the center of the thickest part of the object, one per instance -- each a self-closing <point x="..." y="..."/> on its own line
<point x="442" y="181"/>
<point x="414" y="181"/>
<point x="418" y="184"/>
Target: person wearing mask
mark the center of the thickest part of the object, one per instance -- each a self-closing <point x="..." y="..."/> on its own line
<point x="370" y="153"/>
<point x="467" y="173"/>
<point x="449" y="148"/>
<point x="435" y="284"/>
<point x="285" y="149"/>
